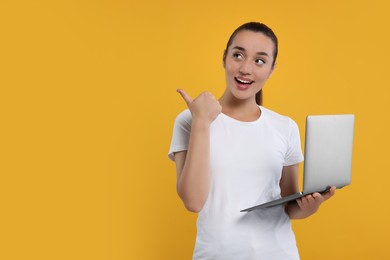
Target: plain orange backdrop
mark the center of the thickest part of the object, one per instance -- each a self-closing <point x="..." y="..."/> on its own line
<point x="87" y="104"/>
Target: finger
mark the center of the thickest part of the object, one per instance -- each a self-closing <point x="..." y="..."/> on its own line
<point x="300" y="203"/>
<point x="304" y="202"/>
<point x="185" y="96"/>
<point x="330" y="193"/>
<point x="318" y="197"/>
<point x="309" y="197"/>
<point x="308" y="200"/>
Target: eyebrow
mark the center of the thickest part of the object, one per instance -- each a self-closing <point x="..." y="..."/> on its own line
<point x="258" y="53"/>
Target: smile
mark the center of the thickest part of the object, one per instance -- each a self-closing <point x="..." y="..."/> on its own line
<point x="242" y="81"/>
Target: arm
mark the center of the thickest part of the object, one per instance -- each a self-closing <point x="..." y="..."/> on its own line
<point x="193" y="165"/>
<point x="303" y="207"/>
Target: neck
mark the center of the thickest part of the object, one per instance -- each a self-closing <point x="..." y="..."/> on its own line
<point x="243" y="110"/>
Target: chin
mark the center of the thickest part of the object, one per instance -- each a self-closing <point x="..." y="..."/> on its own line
<point x="243" y="95"/>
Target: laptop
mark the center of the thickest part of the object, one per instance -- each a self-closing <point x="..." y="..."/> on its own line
<point x="328" y="156"/>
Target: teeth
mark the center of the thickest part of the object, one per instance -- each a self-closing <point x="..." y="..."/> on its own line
<point x="244" y="81"/>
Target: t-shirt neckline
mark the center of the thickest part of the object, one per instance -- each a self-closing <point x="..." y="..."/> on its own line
<point x="246" y="122"/>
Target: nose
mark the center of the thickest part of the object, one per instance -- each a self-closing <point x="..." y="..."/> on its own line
<point x="245" y="67"/>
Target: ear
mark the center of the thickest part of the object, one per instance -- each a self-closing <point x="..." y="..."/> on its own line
<point x="224" y="59"/>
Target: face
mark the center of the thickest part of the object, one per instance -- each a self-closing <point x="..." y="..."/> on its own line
<point x="248" y="64"/>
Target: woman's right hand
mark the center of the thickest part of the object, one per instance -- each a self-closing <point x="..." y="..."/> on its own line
<point x="204" y="107"/>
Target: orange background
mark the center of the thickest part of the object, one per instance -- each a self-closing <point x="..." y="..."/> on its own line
<point x="87" y="104"/>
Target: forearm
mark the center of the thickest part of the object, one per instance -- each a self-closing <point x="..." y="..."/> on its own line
<point x="194" y="182"/>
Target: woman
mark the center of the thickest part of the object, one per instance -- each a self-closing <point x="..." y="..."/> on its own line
<point x="233" y="153"/>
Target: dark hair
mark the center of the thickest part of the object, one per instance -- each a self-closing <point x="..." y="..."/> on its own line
<point x="260" y="28"/>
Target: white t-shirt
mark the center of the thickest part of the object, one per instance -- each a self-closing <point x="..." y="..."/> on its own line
<point x="246" y="165"/>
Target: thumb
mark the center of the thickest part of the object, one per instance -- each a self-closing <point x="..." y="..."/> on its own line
<point x="185" y="96"/>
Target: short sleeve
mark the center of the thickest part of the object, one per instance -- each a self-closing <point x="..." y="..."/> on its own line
<point x="181" y="134"/>
<point x="294" y="151"/>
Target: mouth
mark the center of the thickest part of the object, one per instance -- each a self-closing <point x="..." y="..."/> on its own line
<point x="243" y="83"/>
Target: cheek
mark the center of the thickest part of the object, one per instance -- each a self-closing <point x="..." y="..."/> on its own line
<point x="229" y="69"/>
<point x="263" y="75"/>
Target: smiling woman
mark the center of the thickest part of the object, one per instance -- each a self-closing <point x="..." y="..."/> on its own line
<point x="248" y="63"/>
<point x="233" y="152"/>
<point x="263" y="29"/>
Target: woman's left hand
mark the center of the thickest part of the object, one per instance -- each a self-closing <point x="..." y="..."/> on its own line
<point x="311" y="203"/>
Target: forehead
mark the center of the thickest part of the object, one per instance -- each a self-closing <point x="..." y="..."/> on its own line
<point x="253" y="42"/>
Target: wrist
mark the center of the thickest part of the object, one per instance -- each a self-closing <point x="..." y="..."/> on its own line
<point x="295" y="212"/>
<point x="200" y="122"/>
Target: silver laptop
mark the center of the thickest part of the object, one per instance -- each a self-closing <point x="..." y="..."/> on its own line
<point x="328" y="156"/>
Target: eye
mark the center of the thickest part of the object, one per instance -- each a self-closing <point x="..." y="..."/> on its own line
<point x="259" y="61"/>
<point x="237" y="56"/>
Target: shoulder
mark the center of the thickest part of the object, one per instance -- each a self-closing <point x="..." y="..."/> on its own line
<point x="184" y="119"/>
<point x="184" y="116"/>
<point x="279" y="120"/>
